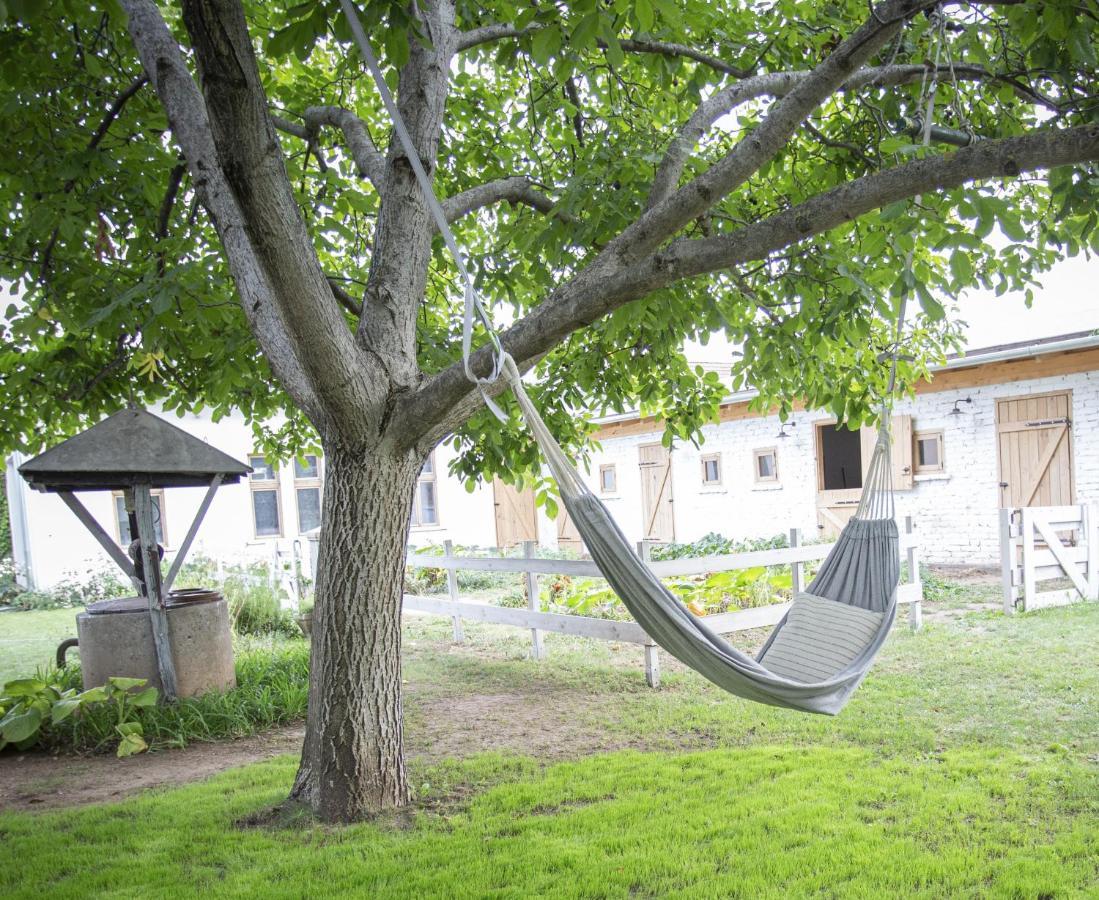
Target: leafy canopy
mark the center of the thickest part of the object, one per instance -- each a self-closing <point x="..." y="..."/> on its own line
<point x="120" y="290"/>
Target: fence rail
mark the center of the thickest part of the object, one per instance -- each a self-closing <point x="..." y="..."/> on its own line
<point x="910" y="592"/>
<point x="1045" y="543"/>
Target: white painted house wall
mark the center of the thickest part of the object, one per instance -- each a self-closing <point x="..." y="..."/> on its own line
<point x="956" y="510"/>
<point x="52" y="545"/>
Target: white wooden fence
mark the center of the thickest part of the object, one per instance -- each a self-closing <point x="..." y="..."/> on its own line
<point x="1044" y="543"/>
<point x="910" y="592"/>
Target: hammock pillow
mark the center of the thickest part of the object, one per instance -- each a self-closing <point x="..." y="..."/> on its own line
<point x="821" y="638"/>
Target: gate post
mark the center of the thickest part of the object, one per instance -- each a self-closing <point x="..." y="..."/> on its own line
<point x="538" y="649"/>
<point x="1009" y="557"/>
<point x="452" y="587"/>
<point x="915" y="608"/>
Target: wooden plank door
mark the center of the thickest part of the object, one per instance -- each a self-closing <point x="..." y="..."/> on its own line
<point x="516" y="519"/>
<point x="1034" y="438"/>
<point x="568" y="538"/>
<point x="658" y="520"/>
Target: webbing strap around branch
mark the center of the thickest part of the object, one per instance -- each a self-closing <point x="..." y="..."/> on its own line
<point x="473" y="305"/>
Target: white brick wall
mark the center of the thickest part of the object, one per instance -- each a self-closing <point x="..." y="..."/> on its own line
<point x="956" y="512"/>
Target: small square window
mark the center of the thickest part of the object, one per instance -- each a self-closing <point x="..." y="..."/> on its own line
<point x="766" y="464"/>
<point x="608" y="480"/>
<point x="928" y="451"/>
<point x="711" y="469"/>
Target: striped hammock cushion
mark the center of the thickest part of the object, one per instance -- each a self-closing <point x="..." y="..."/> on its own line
<point x="820" y="638"/>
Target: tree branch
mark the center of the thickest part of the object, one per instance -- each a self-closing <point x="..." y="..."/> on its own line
<point x="774" y="84"/>
<point x="113" y="112"/>
<point x="475" y="37"/>
<point x="600" y="288"/>
<point x="368" y="160"/>
<point x="514" y="189"/>
<point x="664" y="218"/>
<point x="163" y="61"/>
<point x="349" y="383"/>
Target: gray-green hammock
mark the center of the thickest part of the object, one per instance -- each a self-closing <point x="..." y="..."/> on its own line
<point x="823" y="647"/>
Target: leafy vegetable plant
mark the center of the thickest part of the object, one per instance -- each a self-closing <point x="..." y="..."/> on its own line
<point x="28" y="705"/>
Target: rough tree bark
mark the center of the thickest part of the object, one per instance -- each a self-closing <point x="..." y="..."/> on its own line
<point x="353" y="759"/>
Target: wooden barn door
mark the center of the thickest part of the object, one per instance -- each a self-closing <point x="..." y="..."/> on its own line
<point x="516" y="519"/>
<point x="1034" y="435"/>
<point x="568" y="538"/>
<point x="656" y="492"/>
<point x="839" y="488"/>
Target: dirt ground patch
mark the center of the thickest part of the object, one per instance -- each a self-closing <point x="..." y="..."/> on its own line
<point x="40" y="781"/>
<point x="439" y="727"/>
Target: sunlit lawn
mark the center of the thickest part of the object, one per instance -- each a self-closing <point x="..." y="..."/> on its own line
<point x="967" y="765"/>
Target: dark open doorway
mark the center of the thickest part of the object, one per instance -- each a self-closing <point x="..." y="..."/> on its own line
<point x="841" y="458"/>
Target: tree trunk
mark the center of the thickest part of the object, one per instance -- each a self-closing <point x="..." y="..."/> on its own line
<point x="352" y="762"/>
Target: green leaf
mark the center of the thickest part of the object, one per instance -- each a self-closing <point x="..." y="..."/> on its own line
<point x="146" y="697"/>
<point x="19" y="726"/>
<point x="130" y="745"/>
<point x="545" y="43"/>
<point x="125" y="684"/>
<point x="62" y="709"/>
<point x="643" y="9"/>
<point x="24" y="687"/>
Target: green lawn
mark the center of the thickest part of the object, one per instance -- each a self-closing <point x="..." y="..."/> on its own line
<point x="28" y="640"/>
<point x="967" y="765"/>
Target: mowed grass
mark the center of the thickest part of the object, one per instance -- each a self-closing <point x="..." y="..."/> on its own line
<point x="28" y="640"/>
<point x="759" y="822"/>
<point x="967" y="765"/>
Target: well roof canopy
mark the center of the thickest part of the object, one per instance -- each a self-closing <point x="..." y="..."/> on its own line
<point x="130" y="447"/>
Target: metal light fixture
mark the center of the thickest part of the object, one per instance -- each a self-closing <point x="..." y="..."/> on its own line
<point x="957" y="412"/>
<point x="782" y="432"/>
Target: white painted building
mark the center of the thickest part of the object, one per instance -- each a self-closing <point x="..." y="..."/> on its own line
<point x="1026" y="432"/>
<point x="272" y="510"/>
<point x="1016" y="425"/>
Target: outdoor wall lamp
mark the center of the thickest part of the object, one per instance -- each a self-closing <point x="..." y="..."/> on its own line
<point x="957" y="412"/>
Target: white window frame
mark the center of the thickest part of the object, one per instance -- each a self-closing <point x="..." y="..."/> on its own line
<point x="613" y="469"/>
<point x="260" y="485"/>
<point x="712" y="458"/>
<point x="155" y="494"/>
<point x="756" y="456"/>
<point x="917" y="436"/>
<point x="431" y="477"/>
<point x="307" y="484"/>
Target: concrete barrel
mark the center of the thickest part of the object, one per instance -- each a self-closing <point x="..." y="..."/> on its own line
<point x="116" y="639"/>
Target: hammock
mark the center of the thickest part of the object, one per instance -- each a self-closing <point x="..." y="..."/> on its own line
<point x="823" y="647"/>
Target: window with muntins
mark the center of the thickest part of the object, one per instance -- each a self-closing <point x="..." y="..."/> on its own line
<point x="266" y="506"/>
<point x="425" y="507"/>
<point x="307" y="492"/>
<point x="608" y="480"/>
<point x="928" y="451"/>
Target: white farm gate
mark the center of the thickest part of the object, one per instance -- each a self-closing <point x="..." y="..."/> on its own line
<point x="1048" y="543"/>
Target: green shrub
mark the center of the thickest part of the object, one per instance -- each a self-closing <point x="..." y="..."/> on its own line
<point x="714" y="544"/>
<point x="31" y="707"/>
<point x="73" y="591"/>
<point x="272" y="689"/>
<point x="257" y="609"/>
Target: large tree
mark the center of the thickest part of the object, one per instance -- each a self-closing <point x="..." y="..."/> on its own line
<point x="205" y="207"/>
